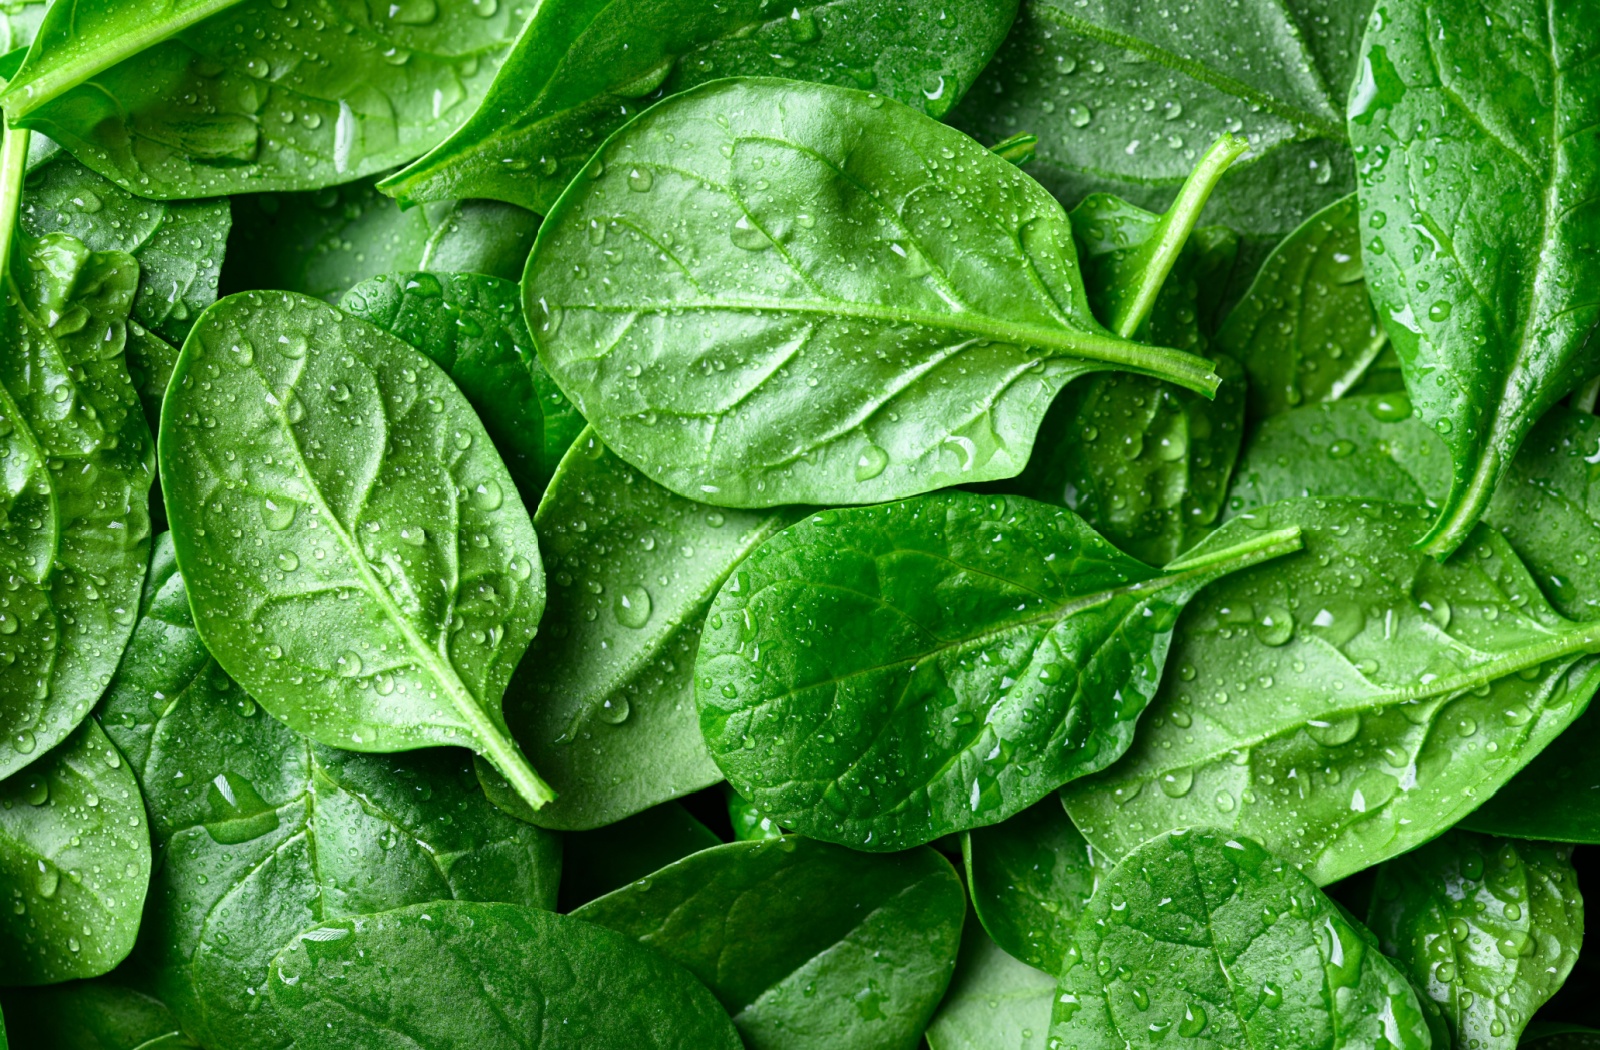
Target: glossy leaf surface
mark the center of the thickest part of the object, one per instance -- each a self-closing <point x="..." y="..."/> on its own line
<point x="488" y="977"/>
<point x="582" y="68"/>
<point x="1487" y="929"/>
<point x="993" y="1000"/>
<point x="800" y="298"/>
<point x="74" y="492"/>
<point x="609" y="858"/>
<point x="805" y="944"/>
<point x="199" y="114"/>
<point x="400" y="579"/>
<point x="91" y="1015"/>
<point x="881" y="676"/>
<point x="1030" y="878"/>
<point x="1227" y="946"/>
<point x="471" y="326"/>
<point x="1461" y="173"/>
<point x="604" y="701"/>
<point x="1348" y="702"/>
<point x="1556" y="797"/>
<point x="75" y="857"/>
<point x="749" y="823"/>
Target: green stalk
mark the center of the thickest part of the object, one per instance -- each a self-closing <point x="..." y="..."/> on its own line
<point x="13" y="166"/>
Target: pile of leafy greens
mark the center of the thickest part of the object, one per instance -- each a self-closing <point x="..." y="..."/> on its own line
<point x="799" y="524"/>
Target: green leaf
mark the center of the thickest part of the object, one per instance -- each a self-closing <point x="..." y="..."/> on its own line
<point x="882" y="676"/>
<point x="1463" y="172"/>
<point x="1375" y="447"/>
<point x="993" y="1001"/>
<point x="1123" y="96"/>
<point x="19" y="24"/>
<point x="92" y="1015"/>
<point x="812" y="300"/>
<point x="805" y="944"/>
<point x="481" y="236"/>
<point x="1548" y="1036"/>
<point x="488" y="977"/>
<point x="75" y="860"/>
<point x="471" y="326"/>
<point x="1349" y="702"/>
<point x="749" y="823"/>
<point x="199" y="113"/>
<point x="399" y="579"/>
<point x="74" y="510"/>
<point x="603" y="703"/>
<point x="1208" y="936"/>
<point x="1030" y="878"/>
<point x="1486" y="928"/>
<point x="582" y="68"/>
<point x="1306" y="331"/>
<point x="606" y="859"/>
<point x="1556" y="797"/>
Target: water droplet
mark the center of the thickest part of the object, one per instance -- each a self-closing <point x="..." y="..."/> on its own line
<point x="633" y="607"/>
<point x="488" y="495"/>
<point x="1276" y="626"/>
<point x="1439" y="311"/>
<point x="24" y="742"/>
<point x="1390" y="408"/>
<point x="1341" y="449"/>
<point x="521" y="567"/>
<point x="1177" y="783"/>
<point x="1079" y="116"/>
<point x="747" y="236"/>
<point x="349" y="664"/>
<point x="288" y="561"/>
<point x="614" y="710"/>
<point x="640" y="180"/>
<point x="1194" y="1021"/>
<point x="278" y="515"/>
<point x="35" y="790"/>
<point x="871" y="463"/>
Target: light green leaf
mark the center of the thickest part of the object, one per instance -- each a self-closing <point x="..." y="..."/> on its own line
<point x="993" y="1001"/>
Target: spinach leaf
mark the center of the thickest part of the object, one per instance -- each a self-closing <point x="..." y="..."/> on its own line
<point x="1556" y="797"/>
<point x="1205" y="934"/>
<point x="582" y="68"/>
<point x="481" y="236"/>
<point x="993" y="1001"/>
<point x="1462" y="174"/>
<point x="606" y="859"/>
<point x="491" y="977"/>
<point x="74" y="503"/>
<point x="19" y="24"/>
<point x="1030" y="878"/>
<point x="1486" y="928"/>
<point x="1305" y="331"/>
<point x="398" y="580"/>
<point x="1124" y="96"/>
<point x="604" y="701"/>
<point x="1375" y="447"/>
<point x="92" y="1015"/>
<point x="766" y="292"/>
<point x="471" y="326"/>
<point x="174" y="107"/>
<point x="75" y="860"/>
<point x="805" y="944"/>
<point x="749" y="823"/>
<point x="1348" y="702"/>
<point x="882" y="676"/>
<point x="1545" y="1036"/>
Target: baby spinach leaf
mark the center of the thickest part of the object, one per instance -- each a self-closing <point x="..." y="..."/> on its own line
<point x="201" y="112"/>
<point x="75" y="860"/>
<point x="19" y="24"/>
<point x="882" y="676"/>
<point x="1349" y="702"/>
<point x="1487" y="929"/>
<point x="1030" y="878"/>
<point x="604" y="701"/>
<point x="489" y="977"/>
<point x="481" y="236"/>
<point x="399" y="581"/>
<point x="582" y="68"/>
<point x="1375" y="447"/>
<point x="1547" y="1036"/>
<point x="1124" y="96"/>
<point x="767" y="292"/>
<point x="994" y="1000"/>
<point x="1206" y="935"/>
<point x="1461" y="172"/>
<point x="74" y="524"/>
<point x="749" y="823"/>
<point x="805" y="944"/>
<point x="1556" y="797"/>
<point x="606" y="859"/>
<point x="92" y="1015"/>
<point x="1305" y="331"/>
<point x="471" y="326"/>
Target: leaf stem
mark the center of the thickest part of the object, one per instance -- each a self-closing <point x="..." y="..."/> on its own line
<point x="1158" y="254"/>
<point x="1461" y="512"/>
<point x="1584" y="398"/>
<point x="13" y="166"/>
<point x="1257" y="549"/>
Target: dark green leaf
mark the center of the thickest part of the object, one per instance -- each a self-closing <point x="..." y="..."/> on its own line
<point x="74" y="493"/>
<point x="1481" y="183"/>
<point x="399" y="578"/>
<point x="749" y="823"/>
<point x="606" y="859"/>
<point x="459" y="976"/>
<point x="91" y="1015"/>
<point x="75" y="861"/>
<point x="1487" y="929"/>
<point x="881" y="676"/>
<point x="805" y="944"/>
<point x="1030" y="878"/>
<point x="1305" y="331"/>
<point x="201" y="113"/>
<point x="582" y="67"/>
<point x="1547" y="1036"/>
<point x="481" y="236"/>
<point x="472" y="327"/>
<point x="1349" y="702"/>
<point x="1208" y="937"/>
<point x="813" y="301"/>
<point x="994" y="1001"/>
<point x="1556" y="797"/>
